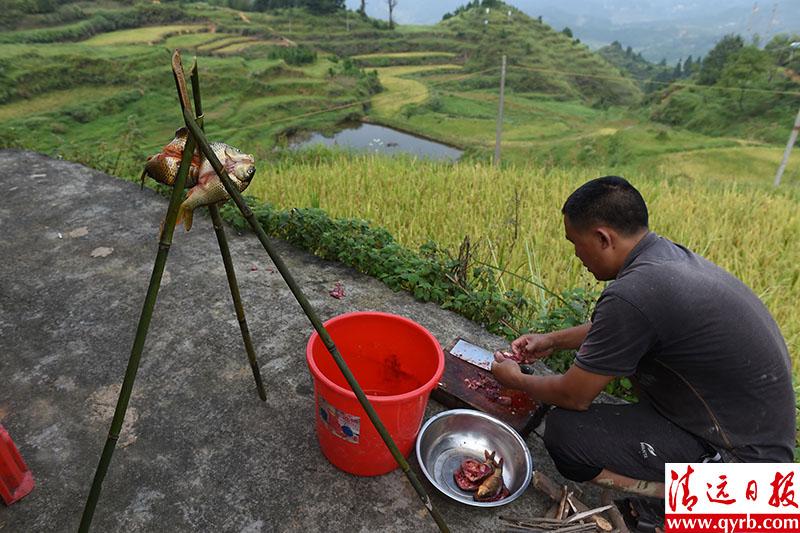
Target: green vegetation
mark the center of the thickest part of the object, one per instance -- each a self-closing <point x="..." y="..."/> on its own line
<point x="92" y="83"/>
<point x="294" y="55"/>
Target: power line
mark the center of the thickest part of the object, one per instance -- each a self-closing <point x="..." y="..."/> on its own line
<point x="407" y="95"/>
<point x="400" y="94"/>
<point x="623" y="78"/>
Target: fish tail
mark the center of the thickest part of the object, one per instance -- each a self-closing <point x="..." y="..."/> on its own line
<point x="187" y="221"/>
<point x="185" y="215"/>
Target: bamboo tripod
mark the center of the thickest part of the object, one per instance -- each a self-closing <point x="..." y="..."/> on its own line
<point x="195" y="139"/>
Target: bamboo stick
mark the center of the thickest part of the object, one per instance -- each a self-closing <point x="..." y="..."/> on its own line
<point x="562" y="503"/>
<point x="580" y="516"/>
<point x="312" y="316"/>
<point x="224" y="249"/>
<point x="546" y="485"/>
<point x="237" y="299"/>
<point x="613" y="513"/>
<point x="165" y="241"/>
<point x="551" y="513"/>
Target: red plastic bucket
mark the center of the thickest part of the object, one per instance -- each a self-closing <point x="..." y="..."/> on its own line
<point x="397" y="363"/>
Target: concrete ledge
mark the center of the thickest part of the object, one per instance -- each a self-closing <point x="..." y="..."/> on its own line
<point x="199" y="451"/>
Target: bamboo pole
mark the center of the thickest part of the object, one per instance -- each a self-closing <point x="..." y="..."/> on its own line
<point x="194" y="128"/>
<point x="224" y="249"/>
<point x="165" y="241"/>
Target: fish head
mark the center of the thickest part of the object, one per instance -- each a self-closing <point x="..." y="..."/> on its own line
<point x="241" y="165"/>
<point x="245" y="171"/>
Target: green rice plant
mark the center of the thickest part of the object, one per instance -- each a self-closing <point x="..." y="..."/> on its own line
<point x="141" y="35"/>
<point x="753" y="231"/>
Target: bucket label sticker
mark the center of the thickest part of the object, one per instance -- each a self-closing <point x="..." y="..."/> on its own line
<point x="343" y="425"/>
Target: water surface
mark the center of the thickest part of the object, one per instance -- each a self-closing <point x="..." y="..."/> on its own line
<point x="377" y="139"/>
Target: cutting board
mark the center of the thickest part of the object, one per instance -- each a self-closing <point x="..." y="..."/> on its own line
<point x="523" y="413"/>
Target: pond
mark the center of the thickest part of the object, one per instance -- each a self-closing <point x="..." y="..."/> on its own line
<point x="377" y="139"/>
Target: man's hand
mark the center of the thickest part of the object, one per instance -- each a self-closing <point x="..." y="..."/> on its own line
<point x="533" y="346"/>
<point x="506" y="371"/>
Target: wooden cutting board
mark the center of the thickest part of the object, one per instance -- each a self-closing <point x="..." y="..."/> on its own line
<point x="523" y="413"/>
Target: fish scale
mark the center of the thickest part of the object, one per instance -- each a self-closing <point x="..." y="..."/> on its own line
<point x="205" y="187"/>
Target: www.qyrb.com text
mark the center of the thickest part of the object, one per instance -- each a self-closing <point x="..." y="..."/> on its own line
<point x="732" y="497"/>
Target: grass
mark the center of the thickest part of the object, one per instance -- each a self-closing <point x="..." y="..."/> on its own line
<point x="52" y="101"/>
<point x="141" y="35"/>
<point x="404" y="55"/>
<point x="757" y="164"/>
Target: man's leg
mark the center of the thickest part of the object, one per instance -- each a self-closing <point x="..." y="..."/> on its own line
<point x="624" y="447"/>
<point x="611" y="480"/>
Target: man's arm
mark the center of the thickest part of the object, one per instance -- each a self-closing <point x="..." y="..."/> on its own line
<point x="536" y="346"/>
<point x="575" y="389"/>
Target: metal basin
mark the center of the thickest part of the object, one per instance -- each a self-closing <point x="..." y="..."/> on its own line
<point x="452" y="436"/>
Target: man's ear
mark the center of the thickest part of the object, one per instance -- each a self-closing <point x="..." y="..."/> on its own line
<point x="604" y="236"/>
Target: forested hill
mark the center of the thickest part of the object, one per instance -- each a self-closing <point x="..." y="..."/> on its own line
<point x="479" y="34"/>
<point x="72" y="72"/>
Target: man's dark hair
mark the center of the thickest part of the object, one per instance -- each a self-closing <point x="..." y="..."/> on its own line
<point x="610" y="201"/>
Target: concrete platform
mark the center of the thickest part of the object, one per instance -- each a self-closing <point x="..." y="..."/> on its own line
<point x="199" y="451"/>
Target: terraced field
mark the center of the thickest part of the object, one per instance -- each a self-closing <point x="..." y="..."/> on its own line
<point x="147" y="35"/>
<point x="401" y="90"/>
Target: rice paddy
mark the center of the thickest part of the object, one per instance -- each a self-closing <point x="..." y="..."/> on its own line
<point x="752" y="231"/>
<point x="150" y="34"/>
<point x="400" y="91"/>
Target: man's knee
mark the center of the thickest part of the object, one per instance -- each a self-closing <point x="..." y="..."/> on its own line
<point x="560" y="438"/>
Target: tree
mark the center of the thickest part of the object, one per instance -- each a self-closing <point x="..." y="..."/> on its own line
<point x="567" y="32"/>
<point x="391" y="4"/>
<point x="717" y="57"/>
<point x="363" y="9"/>
<point x="676" y="74"/>
<point x="687" y="66"/>
<point x="744" y="69"/>
<point x="323" y="6"/>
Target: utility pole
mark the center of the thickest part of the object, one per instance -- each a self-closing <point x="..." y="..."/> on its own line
<point x="500" y="115"/>
<point x="750" y="24"/>
<point x="769" y="27"/>
<point x="789" y="145"/>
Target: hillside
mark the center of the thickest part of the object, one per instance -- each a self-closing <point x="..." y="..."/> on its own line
<point x="88" y="79"/>
<point x="118" y="57"/>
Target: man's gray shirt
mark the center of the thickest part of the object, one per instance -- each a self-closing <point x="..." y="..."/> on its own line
<point x="703" y="348"/>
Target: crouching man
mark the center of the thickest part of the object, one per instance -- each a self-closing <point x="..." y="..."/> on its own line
<point x="712" y="370"/>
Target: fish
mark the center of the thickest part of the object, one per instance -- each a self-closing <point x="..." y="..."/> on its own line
<point x="205" y="186"/>
<point x="472" y="472"/>
<point x="476" y="471"/>
<point x="492" y="486"/>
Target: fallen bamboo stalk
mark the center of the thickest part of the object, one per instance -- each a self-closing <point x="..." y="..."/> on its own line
<point x="548" y="524"/>
<point x="543" y="520"/>
<point x="586" y="514"/>
<point x="533" y="526"/>
<point x="613" y="513"/>
<point x="570" y="506"/>
<point x="546" y="485"/>
<point x="311" y="314"/>
<point x="562" y="503"/>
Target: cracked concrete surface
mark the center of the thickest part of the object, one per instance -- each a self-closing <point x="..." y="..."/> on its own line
<point x="199" y="450"/>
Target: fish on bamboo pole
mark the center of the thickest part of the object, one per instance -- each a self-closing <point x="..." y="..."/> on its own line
<point x="205" y="187"/>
